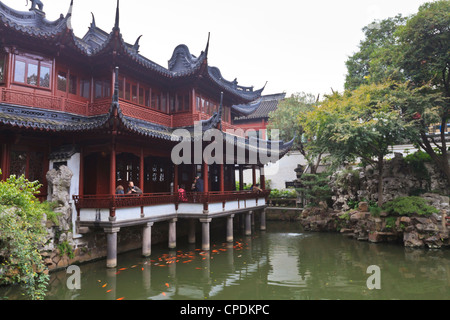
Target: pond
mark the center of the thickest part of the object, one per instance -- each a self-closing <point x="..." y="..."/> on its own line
<point x="282" y="263"/>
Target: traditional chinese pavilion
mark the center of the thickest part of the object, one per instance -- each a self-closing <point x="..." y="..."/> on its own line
<point x="96" y="105"/>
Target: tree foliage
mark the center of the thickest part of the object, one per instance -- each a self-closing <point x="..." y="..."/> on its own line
<point x="362" y="123"/>
<point x="409" y="206"/>
<point x="413" y="51"/>
<point x="315" y="188"/>
<point x="22" y="234"/>
<point x="378" y="58"/>
<point x="285" y="119"/>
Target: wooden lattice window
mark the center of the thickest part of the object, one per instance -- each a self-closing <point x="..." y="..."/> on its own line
<point x="18" y="163"/>
<point x="27" y="163"/>
<point x="154" y="172"/>
<point x="35" y="166"/>
<point x="32" y="72"/>
<point x="102" y="88"/>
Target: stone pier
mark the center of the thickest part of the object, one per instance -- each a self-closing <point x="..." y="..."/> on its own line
<point x="205" y="234"/>
<point x="248" y="223"/>
<point x="147" y="240"/>
<point x="173" y="233"/>
<point x="263" y="220"/>
<point x="111" y="238"/>
<point x="191" y="235"/>
<point x="230" y="237"/>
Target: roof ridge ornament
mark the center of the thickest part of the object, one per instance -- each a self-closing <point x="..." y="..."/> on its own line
<point x="35" y="3"/>
<point x="69" y="16"/>
<point x="136" y="44"/>
<point x="116" y="24"/>
<point x="93" y="25"/>
<point x="39" y="9"/>
<point x="207" y="45"/>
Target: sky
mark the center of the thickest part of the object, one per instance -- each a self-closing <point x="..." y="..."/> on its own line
<point x="294" y="46"/>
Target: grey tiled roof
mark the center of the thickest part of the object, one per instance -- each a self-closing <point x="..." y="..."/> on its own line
<point x="97" y="42"/>
<point x="265" y="105"/>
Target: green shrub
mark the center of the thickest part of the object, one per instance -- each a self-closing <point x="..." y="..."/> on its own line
<point x="390" y="222"/>
<point x="417" y="161"/>
<point x="408" y="206"/>
<point x="286" y="193"/>
<point x="66" y="249"/>
<point x="418" y="157"/>
<point x="315" y="188"/>
<point x="21" y="235"/>
<point x="375" y="211"/>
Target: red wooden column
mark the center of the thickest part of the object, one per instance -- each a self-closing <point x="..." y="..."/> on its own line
<point x="205" y="177"/>
<point x="112" y="173"/>
<point x="175" y="178"/>
<point x="5" y="161"/>
<point x="112" y="186"/>
<point x="262" y="178"/>
<point x="9" y="74"/>
<point x="254" y="174"/>
<point x="193" y="101"/>
<point x="241" y="178"/>
<point x="141" y="170"/>
<point x="222" y="176"/>
<point x="81" y="183"/>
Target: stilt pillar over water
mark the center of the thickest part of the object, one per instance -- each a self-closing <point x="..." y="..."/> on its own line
<point x="263" y="220"/>
<point x="205" y="234"/>
<point x="230" y="228"/>
<point x="111" y="238"/>
<point x="173" y="233"/>
<point x="147" y="240"/>
<point x="191" y="235"/>
<point x="248" y="223"/>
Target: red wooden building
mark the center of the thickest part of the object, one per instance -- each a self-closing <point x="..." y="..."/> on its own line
<point x="98" y="106"/>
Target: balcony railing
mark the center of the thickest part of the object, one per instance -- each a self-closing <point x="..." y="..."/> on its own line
<point x="116" y="202"/>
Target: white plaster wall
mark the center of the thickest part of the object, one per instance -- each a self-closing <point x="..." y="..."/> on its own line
<point x="159" y="210"/>
<point x="123" y="214"/>
<point x="250" y="203"/>
<point x="89" y="215"/>
<point x="190" y="208"/>
<point x="279" y="173"/>
<point x="215" y="207"/>
<point x="231" y="205"/>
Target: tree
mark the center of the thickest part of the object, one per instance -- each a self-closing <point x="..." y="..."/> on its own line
<point x="362" y="124"/>
<point x="21" y="235"/>
<point x="425" y="60"/>
<point x="377" y="58"/>
<point x="285" y="119"/>
<point x="414" y="51"/>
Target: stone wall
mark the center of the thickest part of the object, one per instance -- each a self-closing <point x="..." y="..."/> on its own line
<point x="414" y="231"/>
<point x="283" y="214"/>
<point x="399" y="179"/>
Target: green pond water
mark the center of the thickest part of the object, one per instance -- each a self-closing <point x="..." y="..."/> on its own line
<point x="282" y="263"/>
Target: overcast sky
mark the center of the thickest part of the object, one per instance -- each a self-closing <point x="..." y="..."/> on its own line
<point x="297" y="46"/>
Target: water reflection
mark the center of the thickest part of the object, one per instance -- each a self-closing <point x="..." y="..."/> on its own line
<point x="282" y="263"/>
